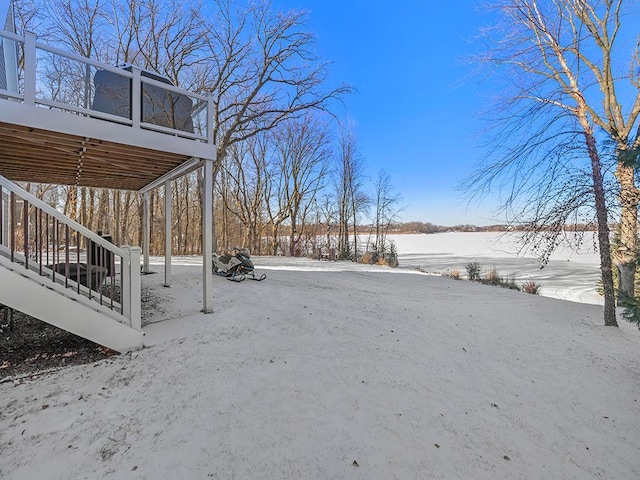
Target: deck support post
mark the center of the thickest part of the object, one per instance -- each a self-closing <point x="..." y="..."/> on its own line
<point x="167" y="233"/>
<point x="145" y="232"/>
<point x="207" y="237"/>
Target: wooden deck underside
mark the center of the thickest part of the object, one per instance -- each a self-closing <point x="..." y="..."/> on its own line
<point x="34" y="155"/>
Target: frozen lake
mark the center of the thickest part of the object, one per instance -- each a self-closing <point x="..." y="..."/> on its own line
<point x="569" y="275"/>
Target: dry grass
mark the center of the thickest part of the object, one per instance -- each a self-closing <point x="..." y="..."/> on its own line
<point x="453" y="273"/>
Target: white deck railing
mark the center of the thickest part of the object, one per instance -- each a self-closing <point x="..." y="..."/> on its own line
<point x="65" y="255"/>
<point x="50" y="77"/>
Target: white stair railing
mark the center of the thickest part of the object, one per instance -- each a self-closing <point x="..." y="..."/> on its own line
<point x="40" y="239"/>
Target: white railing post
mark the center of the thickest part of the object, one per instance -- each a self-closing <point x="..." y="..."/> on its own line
<point x="136" y="97"/>
<point x="209" y="126"/>
<point x="30" y="66"/>
<point x="135" y="297"/>
<point x="125" y="285"/>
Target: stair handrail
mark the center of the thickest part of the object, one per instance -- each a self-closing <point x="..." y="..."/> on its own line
<point x="130" y="285"/>
<point x="45" y="207"/>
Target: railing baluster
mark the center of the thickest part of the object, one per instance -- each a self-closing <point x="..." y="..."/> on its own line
<point x="112" y="277"/>
<point x="89" y="245"/>
<point x="40" y="240"/>
<point x="13" y="226"/>
<point x="100" y="264"/>
<point x="46" y="221"/>
<point x="25" y="231"/>
<point x="35" y="234"/>
<point x="54" y="246"/>
<point x="67" y="266"/>
<point x="2" y="219"/>
<point x="78" y="260"/>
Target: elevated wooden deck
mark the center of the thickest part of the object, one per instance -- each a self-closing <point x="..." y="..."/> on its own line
<point x="54" y="130"/>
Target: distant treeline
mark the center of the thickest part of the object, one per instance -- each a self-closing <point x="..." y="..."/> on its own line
<point x="426" y="227"/>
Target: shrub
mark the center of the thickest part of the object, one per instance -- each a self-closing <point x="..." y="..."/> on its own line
<point x="531" y="287"/>
<point x="473" y="271"/>
<point x="388" y="257"/>
<point x="631" y="312"/>
<point x="391" y="255"/>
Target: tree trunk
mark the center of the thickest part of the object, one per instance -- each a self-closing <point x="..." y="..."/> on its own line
<point x="124" y="238"/>
<point x="103" y="209"/>
<point x="83" y="206"/>
<point x="92" y="205"/>
<point x="274" y="239"/>
<point x="292" y="240"/>
<point x="603" y="233"/>
<point x="73" y="203"/>
<point x="625" y="254"/>
<point x="355" y="231"/>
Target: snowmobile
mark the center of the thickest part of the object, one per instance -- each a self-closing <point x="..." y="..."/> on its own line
<point x="236" y="267"/>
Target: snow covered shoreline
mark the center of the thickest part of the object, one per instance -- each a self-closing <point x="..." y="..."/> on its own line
<point x="569" y="275"/>
<point x="365" y="373"/>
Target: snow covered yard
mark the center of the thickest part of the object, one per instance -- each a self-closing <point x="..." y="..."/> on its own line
<point x="334" y="370"/>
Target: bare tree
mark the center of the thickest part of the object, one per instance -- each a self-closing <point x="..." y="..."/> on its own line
<point x="261" y="70"/>
<point x="78" y="25"/>
<point x="242" y="183"/>
<point x="327" y="216"/>
<point x="352" y="198"/>
<point x="387" y="208"/>
<point x="165" y="37"/>
<point x="560" y="57"/>
<point x="302" y="154"/>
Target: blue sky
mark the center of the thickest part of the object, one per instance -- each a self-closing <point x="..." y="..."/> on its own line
<point x="416" y="107"/>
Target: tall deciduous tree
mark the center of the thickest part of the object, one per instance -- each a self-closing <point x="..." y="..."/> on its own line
<point x="261" y="70"/>
<point x="243" y="182"/>
<point x="350" y="193"/>
<point x="574" y="81"/>
<point x="387" y="208"/>
<point x="302" y="152"/>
